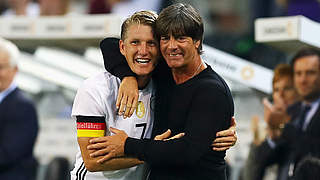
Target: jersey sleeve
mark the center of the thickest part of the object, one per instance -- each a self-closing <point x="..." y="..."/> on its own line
<point x="208" y="115"/>
<point x="88" y="112"/>
<point x="87" y="102"/>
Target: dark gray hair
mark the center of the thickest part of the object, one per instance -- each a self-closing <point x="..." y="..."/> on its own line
<point x="181" y="20"/>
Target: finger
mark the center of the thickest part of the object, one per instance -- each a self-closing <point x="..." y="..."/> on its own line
<point x="115" y="130"/>
<point x="97" y="140"/>
<point x="224" y="139"/>
<point x="132" y="109"/>
<point x="100" y="152"/>
<point x="96" y="146"/>
<point x="224" y="144"/>
<point x="220" y="149"/>
<point x="123" y="105"/>
<point x="176" y="136"/>
<point x="134" y="105"/>
<point x="106" y="158"/>
<point x="228" y="132"/>
<point x="266" y="103"/>
<point x="163" y="135"/>
<point x="128" y="107"/>
<point x="233" y="122"/>
<point x="119" y="98"/>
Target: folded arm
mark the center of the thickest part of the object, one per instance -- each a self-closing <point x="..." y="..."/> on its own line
<point x="199" y="132"/>
<point x="92" y="163"/>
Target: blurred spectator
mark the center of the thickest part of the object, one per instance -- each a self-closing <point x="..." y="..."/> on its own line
<point x="126" y="8"/>
<point x="21" y="8"/>
<point x="308" y="169"/>
<point x="284" y="94"/>
<point x="99" y="7"/>
<point x="300" y="136"/>
<point x="3" y="6"/>
<point x="58" y="169"/>
<point x="19" y="123"/>
<point x="275" y="116"/>
<point x="54" y="7"/>
<point x="105" y="6"/>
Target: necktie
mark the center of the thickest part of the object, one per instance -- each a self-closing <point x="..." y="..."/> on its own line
<point x="305" y="110"/>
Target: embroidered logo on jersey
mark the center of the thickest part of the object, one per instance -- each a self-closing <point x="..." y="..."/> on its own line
<point x="140" y="111"/>
<point x="90" y="126"/>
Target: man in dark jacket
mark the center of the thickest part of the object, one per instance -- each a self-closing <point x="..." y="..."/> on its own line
<point x="18" y="118"/>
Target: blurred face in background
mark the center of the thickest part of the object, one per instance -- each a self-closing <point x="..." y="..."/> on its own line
<point x="307" y="77"/>
<point x="7" y="72"/>
<point x="53" y="7"/>
<point x="16" y="3"/>
<point x="283" y="90"/>
<point x="18" y="6"/>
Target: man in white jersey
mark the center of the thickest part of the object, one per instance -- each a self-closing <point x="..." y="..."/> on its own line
<point x="94" y="106"/>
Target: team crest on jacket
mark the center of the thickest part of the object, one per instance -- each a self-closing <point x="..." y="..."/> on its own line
<point x="140" y="111"/>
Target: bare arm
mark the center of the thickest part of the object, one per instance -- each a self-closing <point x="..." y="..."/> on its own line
<point x="92" y="164"/>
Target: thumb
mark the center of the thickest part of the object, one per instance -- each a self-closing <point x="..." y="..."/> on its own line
<point x="233" y="121"/>
<point x="267" y="104"/>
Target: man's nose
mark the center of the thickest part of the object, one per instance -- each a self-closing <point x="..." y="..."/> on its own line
<point x="142" y="49"/>
<point x="172" y="43"/>
<point x="281" y="93"/>
<point x="303" y="77"/>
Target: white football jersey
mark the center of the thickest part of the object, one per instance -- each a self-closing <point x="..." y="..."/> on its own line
<point x="97" y="97"/>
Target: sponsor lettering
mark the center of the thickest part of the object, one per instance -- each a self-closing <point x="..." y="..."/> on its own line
<point x="60" y="28"/>
<point x="93" y="126"/>
<point x="275" y="30"/>
<point x="93" y="27"/>
<point x="226" y="66"/>
<point x="19" y="27"/>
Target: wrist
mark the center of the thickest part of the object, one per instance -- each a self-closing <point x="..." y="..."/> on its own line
<point x="131" y="77"/>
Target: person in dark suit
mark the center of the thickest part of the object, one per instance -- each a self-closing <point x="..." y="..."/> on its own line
<point x="301" y="136"/>
<point x="19" y="122"/>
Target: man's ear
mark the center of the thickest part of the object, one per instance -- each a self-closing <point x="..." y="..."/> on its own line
<point x="197" y="43"/>
<point x="15" y="69"/>
<point x="121" y="47"/>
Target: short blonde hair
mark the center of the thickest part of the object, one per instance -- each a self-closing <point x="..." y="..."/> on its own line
<point x="141" y="17"/>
